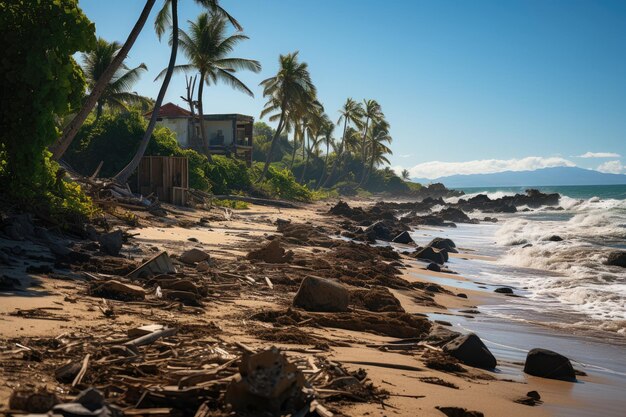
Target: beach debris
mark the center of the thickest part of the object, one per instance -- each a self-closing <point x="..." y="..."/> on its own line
<point x="193" y="256"/>
<point x="470" y="350"/>
<point x="116" y="290"/>
<point x="111" y="243"/>
<point x="617" y="258"/>
<point x="459" y="412"/>
<point x="503" y="290"/>
<point x="443" y="244"/>
<point x="33" y="400"/>
<point x="267" y="384"/>
<point x="404" y="238"/>
<point x="319" y="294"/>
<point x="89" y="403"/>
<point x="378" y="299"/>
<point x="532" y="399"/>
<point x="159" y="264"/>
<point x="428" y="253"/>
<point x="304" y="234"/>
<point x="272" y="253"/>
<point x="545" y="363"/>
<point x="394" y="324"/>
<point x="438" y="381"/>
<point x="203" y="266"/>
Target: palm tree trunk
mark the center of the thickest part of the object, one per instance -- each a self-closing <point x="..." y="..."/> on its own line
<point x="70" y="131"/>
<point x="293" y="154"/>
<point x="306" y="162"/>
<point x="337" y="157"/>
<point x="279" y="128"/>
<point x="319" y="182"/>
<point x="127" y="171"/>
<point x="205" y="143"/>
<point x="99" y="106"/>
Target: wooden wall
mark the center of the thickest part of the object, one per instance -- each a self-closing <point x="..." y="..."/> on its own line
<point x="165" y="176"/>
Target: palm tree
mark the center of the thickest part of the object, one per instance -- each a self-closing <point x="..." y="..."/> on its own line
<point x="327" y="138"/>
<point x="406" y="175"/>
<point x="116" y="94"/>
<point x="378" y="149"/>
<point x="290" y="87"/>
<point x="351" y="113"/>
<point x="314" y="130"/>
<point x="72" y="128"/>
<point x="167" y="17"/>
<point x="207" y="47"/>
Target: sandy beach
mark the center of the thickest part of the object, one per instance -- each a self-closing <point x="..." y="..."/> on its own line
<point x="404" y="372"/>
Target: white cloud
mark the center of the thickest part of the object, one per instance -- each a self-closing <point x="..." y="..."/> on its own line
<point x="408" y="155"/>
<point x="436" y="169"/>
<point x="599" y="155"/>
<point x="611" y="167"/>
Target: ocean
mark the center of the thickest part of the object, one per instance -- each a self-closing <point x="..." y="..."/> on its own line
<point x="564" y="284"/>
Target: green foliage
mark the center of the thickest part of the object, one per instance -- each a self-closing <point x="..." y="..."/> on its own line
<point x="232" y="204"/>
<point x="281" y="183"/>
<point x="227" y="175"/>
<point x="262" y="141"/>
<point x="40" y="83"/>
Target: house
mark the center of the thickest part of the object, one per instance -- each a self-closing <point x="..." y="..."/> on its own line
<point x="227" y="134"/>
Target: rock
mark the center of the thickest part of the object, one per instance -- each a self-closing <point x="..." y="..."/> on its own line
<point x="203" y="267"/>
<point x="503" y="290"/>
<point x="528" y="245"/>
<point x="555" y="238"/>
<point x="490" y="219"/>
<point x="18" y="227"/>
<point x="319" y="294"/>
<point x="454" y="215"/>
<point x="193" y="239"/>
<point x="111" y="243"/>
<point x="433" y="267"/>
<point x="193" y="256"/>
<point x="271" y="253"/>
<point x="470" y="350"/>
<point x="461" y="295"/>
<point x="548" y="364"/>
<point x="532" y="398"/>
<point x="379" y="231"/>
<point x="431" y="254"/>
<point x="404" y="238"/>
<point x="375" y="299"/>
<point x="89" y="403"/>
<point x="268" y="385"/>
<point x="443" y="243"/>
<point x="617" y="258"/>
<point x="459" y="412"/>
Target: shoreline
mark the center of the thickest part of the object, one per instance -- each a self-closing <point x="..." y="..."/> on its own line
<point x="229" y="238"/>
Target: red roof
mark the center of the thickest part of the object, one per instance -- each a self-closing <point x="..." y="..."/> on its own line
<point x="171" y="110"/>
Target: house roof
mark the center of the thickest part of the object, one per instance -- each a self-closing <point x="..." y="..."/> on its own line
<point x="171" y="110"/>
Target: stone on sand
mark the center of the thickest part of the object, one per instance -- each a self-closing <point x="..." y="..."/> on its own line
<point x="193" y="256"/>
<point x="545" y="363"/>
<point x="470" y="350"/>
<point x="319" y="294"/>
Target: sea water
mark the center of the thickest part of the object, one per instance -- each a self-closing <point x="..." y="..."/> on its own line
<point x="564" y="284"/>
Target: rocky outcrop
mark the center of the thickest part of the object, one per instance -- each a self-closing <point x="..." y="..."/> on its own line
<point x="470" y="350"/>
<point x="111" y="243"/>
<point x="431" y="254"/>
<point x="454" y="215"/>
<point x="617" y="258"/>
<point x="548" y="364"/>
<point x="319" y="294"/>
<point x="444" y="244"/>
<point x="271" y="253"/>
<point x="404" y="238"/>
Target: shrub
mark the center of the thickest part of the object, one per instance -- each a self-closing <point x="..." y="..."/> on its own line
<point x="280" y="183"/>
<point x="233" y="204"/>
<point x="227" y="175"/>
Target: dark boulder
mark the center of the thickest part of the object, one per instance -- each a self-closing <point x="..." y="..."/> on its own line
<point x="503" y="290"/>
<point x="454" y="215"/>
<point x="617" y="258"/>
<point x="379" y="230"/>
<point x="548" y="364"/>
<point x="470" y="350"/>
<point x="319" y="294"/>
<point x="433" y="267"/>
<point x="193" y="256"/>
<point x="443" y="243"/>
<point x="404" y="238"/>
<point x="431" y="254"/>
<point x="555" y="238"/>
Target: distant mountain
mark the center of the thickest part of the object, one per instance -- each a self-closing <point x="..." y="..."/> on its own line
<point x="539" y="177"/>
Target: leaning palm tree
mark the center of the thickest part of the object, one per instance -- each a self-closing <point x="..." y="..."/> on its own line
<point x="351" y="113"/>
<point x="166" y="18"/>
<point x="207" y="46"/>
<point x="71" y="129"/>
<point x="327" y="138"/>
<point x="290" y="87"/>
<point x="116" y="95"/>
<point x="377" y="148"/>
<point x="314" y="130"/>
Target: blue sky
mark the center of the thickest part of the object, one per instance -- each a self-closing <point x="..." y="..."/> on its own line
<point x="468" y="86"/>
